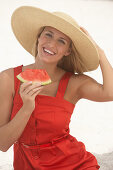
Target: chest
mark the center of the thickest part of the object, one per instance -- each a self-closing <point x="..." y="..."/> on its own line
<point x="70" y="94"/>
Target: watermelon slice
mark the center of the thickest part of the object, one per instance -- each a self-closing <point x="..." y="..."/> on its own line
<point x="34" y="75"/>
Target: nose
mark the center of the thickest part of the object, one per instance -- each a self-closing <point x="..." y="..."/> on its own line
<point x="52" y="43"/>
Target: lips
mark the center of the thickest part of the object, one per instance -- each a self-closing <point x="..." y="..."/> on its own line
<point x="48" y="51"/>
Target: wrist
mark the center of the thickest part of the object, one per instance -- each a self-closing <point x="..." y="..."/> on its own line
<point x="27" y="110"/>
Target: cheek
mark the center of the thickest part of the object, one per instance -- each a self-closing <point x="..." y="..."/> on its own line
<point x="41" y="41"/>
<point x="62" y="50"/>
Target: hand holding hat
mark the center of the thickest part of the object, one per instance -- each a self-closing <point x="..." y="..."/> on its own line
<point x="98" y="48"/>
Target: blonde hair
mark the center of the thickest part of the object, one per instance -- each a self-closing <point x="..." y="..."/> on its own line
<point x="71" y="63"/>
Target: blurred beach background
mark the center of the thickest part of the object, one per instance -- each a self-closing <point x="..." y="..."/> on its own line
<point x="91" y="122"/>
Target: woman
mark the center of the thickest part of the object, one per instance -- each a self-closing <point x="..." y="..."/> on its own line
<point x="36" y="119"/>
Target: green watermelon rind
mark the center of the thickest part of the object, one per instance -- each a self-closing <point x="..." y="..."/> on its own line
<point x="24" y="81"/>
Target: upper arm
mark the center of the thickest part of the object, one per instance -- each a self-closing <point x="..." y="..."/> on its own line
<point x="6" y="97"/>
<point x="92" y="90"/>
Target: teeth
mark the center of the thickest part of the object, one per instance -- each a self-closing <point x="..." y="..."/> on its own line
<point x="48" y="51"/>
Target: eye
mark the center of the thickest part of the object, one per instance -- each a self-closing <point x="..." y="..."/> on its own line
<point x="48" y="34"/>
<point x="62" y="41"/>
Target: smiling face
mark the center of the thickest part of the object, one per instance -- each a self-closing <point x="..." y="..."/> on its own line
<point x="53" y="45"/>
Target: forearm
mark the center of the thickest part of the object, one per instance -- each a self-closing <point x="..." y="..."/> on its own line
<point x="10" y="132"/>
<point x="107" y="72"/>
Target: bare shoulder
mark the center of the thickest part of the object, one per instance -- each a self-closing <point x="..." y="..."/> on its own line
<point x="78" y="80"/>
<point x="8" y="72"/>
<point x="89" y="88"/>
<point x="75" y="82"/>
<point x="6" y="95"/>
<point x="8" y="75"/>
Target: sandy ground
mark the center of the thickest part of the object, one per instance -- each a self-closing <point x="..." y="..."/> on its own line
<point x="105" y="161"/>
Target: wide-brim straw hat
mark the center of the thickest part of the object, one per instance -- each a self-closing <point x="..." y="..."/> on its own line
<point x="26" y="22"/>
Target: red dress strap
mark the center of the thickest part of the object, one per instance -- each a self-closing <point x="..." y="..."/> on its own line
<point x="17" y="70"/>
<point x="63" y="84"/>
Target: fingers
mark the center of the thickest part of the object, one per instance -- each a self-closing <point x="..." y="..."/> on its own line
<point x="28" y="92"/>
<point x="34" y="94"/>
<point x="24" y="85"/>
<point x="27" y="86"/>
<point x="32" y="89"/>
<point x="84" y="30"/>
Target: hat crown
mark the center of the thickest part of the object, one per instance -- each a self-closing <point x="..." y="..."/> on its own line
<point x="66" y="17"/>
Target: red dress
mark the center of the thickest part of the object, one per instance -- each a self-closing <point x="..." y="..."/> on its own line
<point x="46" y="143"/>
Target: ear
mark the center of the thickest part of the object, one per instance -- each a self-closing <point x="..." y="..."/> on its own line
<point x="68" y="52"/>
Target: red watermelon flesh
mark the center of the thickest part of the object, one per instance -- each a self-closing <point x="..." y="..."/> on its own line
<point x="35" y="75"/>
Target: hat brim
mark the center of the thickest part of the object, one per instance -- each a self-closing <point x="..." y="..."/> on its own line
<point x="26" y="22"/>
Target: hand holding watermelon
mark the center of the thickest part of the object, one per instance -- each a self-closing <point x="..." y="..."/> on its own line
<point x="28" y="92"/>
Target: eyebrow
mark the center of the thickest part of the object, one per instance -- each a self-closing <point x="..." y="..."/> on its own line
<point x="53" y="33"/>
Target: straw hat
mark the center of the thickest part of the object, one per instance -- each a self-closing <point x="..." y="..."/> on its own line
<point x="26" y="21"/>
